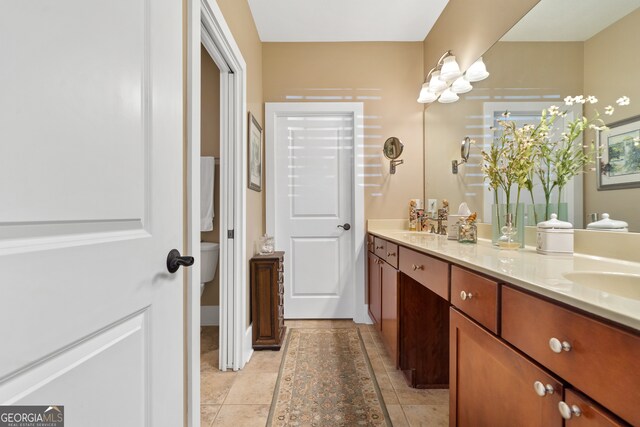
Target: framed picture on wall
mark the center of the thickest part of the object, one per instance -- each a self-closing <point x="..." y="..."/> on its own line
<point x="254" y="153"/>
<point x="619" y="147"/>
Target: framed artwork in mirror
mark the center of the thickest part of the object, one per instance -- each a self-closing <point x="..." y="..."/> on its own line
<point x="254" y="153"/>
<point x="619" y="148"/>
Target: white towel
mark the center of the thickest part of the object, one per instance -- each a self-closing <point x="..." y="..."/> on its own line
<point x="207" y="168"/>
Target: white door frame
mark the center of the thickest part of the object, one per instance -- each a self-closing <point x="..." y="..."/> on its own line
<point x="275" y="109"/>
<point x="206" y="25"/>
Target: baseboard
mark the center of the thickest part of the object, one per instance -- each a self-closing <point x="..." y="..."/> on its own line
<point x="209" y="315"/>
<point x="363" y="316"/>
<point x="248" y="345"/>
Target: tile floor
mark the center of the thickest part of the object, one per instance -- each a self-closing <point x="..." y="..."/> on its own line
<point x="243" y="398"/>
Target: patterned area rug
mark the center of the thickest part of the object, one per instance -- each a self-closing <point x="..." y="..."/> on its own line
<point x="326" y="379"/>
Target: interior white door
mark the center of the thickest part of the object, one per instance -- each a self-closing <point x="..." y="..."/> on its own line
<point x="313" y="190"/>
<point x="90" y="205"/>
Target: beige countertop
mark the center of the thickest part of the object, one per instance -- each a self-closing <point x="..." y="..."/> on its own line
<point x="542" y="274"/>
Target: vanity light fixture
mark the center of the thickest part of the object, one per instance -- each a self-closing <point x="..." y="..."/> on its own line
<point x="445" y="81"/>
<point x="448" y="96"/>
<point x="426" y="96"/>
<point x="461" y="85"/>
<point x="450" y="69"/>
<point x="477" y="71"/>
<point x="436" y="84"/>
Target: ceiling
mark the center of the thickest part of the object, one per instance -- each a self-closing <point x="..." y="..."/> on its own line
<point x="569" y="20"/>
<point x="344" y="20"/>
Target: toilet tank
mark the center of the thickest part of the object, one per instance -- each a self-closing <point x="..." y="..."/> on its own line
<point x="208" y="260"/>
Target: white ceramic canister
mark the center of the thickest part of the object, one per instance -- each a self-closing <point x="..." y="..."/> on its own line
<point x="608" y="224"/>
<point x="555" y="237"/>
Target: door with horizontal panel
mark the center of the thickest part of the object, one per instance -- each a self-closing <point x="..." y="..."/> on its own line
<point x="91" y="190"/>
<point x="314" y="188"/>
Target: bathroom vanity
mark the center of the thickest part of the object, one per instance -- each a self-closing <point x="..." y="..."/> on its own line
<point x="516" y="341"/>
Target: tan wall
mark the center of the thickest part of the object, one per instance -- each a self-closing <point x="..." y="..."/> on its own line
<point x="210" y="147"/>
<point x="238" y="16"/>
<point x="517" y="69"/>
<point x="386" y="78"/>
<point x="610" y="71"/>
<point x="470" y="27"/>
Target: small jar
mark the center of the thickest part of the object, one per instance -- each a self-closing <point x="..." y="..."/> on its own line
<point x="467" y="232"/>
<point x="266" y="245"/>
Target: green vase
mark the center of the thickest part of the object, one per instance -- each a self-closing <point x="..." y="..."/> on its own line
<point x="540" y="214"/>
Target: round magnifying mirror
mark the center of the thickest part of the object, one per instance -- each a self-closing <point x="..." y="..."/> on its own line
<point x="392" y="148"/>
<point x="465" y="147"/>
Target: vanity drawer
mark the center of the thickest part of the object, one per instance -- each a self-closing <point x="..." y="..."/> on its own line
<point x="591" y="414"/>
<point x="428" y="271"/>
<point x="391" y="254"/>
<point x="476" y="296"/>
<point x="380" y="247"/>
<point x="598" y="359"/>
<point x="370" y="243"/>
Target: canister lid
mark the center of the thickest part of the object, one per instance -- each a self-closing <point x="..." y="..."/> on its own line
<point x="555" y="223"/>
<point x="607" y="223"/>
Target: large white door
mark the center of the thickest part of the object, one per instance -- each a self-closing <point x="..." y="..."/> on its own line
<point x="314" y="211"/>
<point x="90" y="205"/>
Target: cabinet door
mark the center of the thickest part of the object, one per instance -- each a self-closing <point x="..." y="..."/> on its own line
<point x="493" y="385"/>
<point x="390" y="310"/>
<point x="375" y="290"/>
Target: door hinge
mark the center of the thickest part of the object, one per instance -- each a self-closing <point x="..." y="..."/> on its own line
<point x="229" y="234"/>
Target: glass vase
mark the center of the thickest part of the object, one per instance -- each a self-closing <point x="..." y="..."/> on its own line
<point x="538" y="212"/>
<point x="498" y="220"/>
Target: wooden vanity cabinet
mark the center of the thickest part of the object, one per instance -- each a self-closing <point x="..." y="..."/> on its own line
<point x="492" y="384"/>
<point x="389" y="327"/>
<point x="375" y="289"/>
<point x="424" y="335"/>
<point x="598" y="359"/>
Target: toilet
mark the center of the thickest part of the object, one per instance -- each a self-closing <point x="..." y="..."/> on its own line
<point x="208" y="262"/>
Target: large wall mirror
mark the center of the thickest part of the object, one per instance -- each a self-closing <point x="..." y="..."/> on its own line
<point x="559" y="49"/>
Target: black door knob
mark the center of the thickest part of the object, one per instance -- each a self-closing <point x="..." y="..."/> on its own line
<point x="174" y="260"/>
<point x="346" y="226"/>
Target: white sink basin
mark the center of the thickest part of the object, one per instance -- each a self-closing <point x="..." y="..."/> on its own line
<point x="622" y="284"/>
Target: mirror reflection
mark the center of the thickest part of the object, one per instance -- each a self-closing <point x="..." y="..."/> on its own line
<point x="556" y="53"/>
<point x="393" y="148"/>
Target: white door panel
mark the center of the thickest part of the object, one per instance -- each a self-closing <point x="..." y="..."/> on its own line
<point x="314" y="187"/>
<point x="91" y="190"/>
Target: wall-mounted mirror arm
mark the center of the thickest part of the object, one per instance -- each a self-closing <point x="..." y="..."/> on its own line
<point x="465" y="147"/>
<point x="394" y="163"/>
<point x="392" y="150"/>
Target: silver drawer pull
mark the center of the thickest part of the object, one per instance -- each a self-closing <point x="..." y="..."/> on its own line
<point x="558" y="346"/>
<point x="391" y="254"/>
<point x="465" y="296"/>
<point x="568" y="411"/>
<point x="417" y="267"/>
<point x="542" y="390"/>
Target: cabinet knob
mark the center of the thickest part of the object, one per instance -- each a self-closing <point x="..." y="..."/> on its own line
<point x="558" y="346"/>
<point x="379" y="247"/>
<point x="542" y="390"/>
<point x="567" y="411"/>
<point x="417" y="267"/>
<point x="391" y="254"/>
<point x="465" y="296"/>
